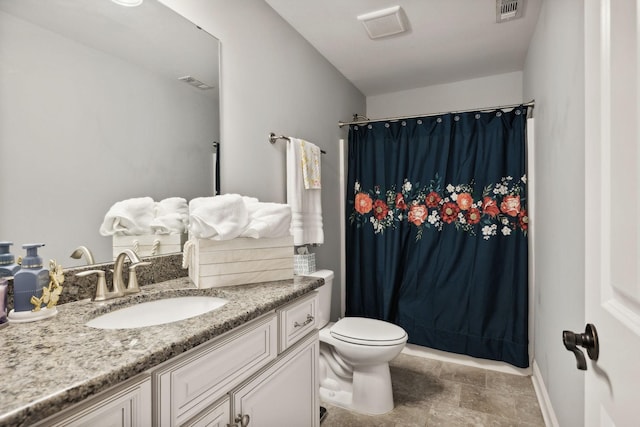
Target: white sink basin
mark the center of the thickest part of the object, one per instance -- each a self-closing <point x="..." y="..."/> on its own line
<point x="157" y="312"/>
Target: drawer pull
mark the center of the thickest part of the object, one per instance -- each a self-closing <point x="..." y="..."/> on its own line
<point x="306" y="322"/>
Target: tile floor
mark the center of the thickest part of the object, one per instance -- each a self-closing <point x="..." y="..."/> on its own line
<point x="433" y="393"/>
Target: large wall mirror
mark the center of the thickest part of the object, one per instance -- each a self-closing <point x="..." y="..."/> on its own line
<point x="93" y="111"/>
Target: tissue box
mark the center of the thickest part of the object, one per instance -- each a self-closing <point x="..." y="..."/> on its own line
<point x="149" y="244"/>
<point x="304" y="264"/>
<point x="240" y="261"/>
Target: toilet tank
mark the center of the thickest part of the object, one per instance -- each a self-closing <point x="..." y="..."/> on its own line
<point x="324" y="311"/>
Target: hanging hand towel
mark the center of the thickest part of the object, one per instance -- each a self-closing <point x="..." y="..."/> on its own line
<point x="172" y="216"/>
<point x="222" y="217"/>
<point x="306" y="205"/>
<point x="310" y="164"/>
<point x="131" y="217"/>
<point x="267" y="220"/>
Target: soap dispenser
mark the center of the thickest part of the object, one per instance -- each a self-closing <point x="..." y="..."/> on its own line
<point x="8" y="266"/>
<point x="29" y="281"/>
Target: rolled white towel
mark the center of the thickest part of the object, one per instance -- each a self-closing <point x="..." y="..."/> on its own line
<point x="221" y="217"/>
<point x="267" y="220"/>
<point x="172" y="216"/>
<point x="130" y="217"/>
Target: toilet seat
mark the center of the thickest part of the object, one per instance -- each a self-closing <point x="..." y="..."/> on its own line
<point x="370" y="332"/>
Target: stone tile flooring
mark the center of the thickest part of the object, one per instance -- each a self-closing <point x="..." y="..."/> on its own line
<point x="433" y="393"/>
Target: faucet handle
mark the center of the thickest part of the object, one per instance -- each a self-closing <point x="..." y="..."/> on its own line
<point x="101" y="287"/>
<point x="132" y="285"/>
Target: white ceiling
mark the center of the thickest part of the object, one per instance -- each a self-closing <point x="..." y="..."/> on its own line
<point x="448" y="40"/>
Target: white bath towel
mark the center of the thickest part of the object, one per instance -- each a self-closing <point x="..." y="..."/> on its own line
<point x="310" y="154"/>
<point x="221" y="217"/>
<point x="130" y="217"/>
<point x="267" y="220"/>
<point x="172" y="216"/>
<point x="306" y="205"/>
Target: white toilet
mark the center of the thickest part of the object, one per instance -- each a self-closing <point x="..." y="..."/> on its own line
<point x="354" y="357"/>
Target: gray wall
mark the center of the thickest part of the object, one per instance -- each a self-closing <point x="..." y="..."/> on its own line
<point x="490" y="91"/>
<point x="273" y="80"/>
<point x="554" y="76"/>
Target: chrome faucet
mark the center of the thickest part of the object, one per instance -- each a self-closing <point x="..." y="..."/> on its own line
<point x="83" y="250"/>
<point x="102" y="292"/>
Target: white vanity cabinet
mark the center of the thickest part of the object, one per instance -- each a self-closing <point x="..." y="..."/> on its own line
<point x="127" y="405"/>
<point x="261" y="374"/>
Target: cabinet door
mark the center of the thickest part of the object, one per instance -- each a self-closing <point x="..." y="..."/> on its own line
<point x="191" y="382"/>
<point x="126" y="405"/>
<point x="215" y="416"/>
<point x="286" y="393"/>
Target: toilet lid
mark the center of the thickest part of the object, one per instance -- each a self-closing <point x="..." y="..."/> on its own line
<point x="360" y="330"/>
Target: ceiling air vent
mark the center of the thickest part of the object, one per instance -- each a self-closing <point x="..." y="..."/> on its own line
<point x="508" y="9"/>
<point x="195" y="83"/>
<point x="384" y="22"/>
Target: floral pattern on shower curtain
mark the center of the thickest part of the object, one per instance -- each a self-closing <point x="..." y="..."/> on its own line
<point x="437" y="230"/>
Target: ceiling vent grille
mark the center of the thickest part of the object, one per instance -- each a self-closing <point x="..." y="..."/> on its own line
<point x="195" y="83"/>
<point x="507" y="10"/>
<point x="384" y="22"/>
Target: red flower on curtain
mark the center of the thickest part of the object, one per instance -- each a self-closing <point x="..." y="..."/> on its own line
<point x="363" y="203"/>
<point x="400" y="203"/>
<point x="464" y="201"/>
<point x="417" y="214"/>
<point x="523" y="220"/>
<point x="510" y="205"/>
<point x="490" y="207"/>
<point x="450" y="212"/>
<point x="473" y="216"/>
<point x="433" y="199"/>
<point x="380" y="209"/>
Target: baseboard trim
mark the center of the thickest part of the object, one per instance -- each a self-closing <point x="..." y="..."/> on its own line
<point x="461" y="359"/>
<point x="544" y="401"/>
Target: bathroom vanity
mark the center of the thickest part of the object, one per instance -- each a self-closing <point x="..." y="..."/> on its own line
<point x="251" y="362"/>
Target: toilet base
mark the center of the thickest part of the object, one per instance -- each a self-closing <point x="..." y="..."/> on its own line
<point x="372" y="393"/>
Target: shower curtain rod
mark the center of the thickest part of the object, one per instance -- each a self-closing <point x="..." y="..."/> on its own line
<point x="365" y="120"/>
<point x="273" y="138"/>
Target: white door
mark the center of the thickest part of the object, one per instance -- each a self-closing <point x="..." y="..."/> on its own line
<point x="612" y="210"/>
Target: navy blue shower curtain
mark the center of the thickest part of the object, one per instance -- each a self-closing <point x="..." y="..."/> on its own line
<point x="437" y="230"/>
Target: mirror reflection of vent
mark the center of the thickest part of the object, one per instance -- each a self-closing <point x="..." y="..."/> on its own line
<point x="195" y="82"/>
<point x="507" y="10"/>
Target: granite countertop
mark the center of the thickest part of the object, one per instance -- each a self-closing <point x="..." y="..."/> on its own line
<point x="51" y="364"/>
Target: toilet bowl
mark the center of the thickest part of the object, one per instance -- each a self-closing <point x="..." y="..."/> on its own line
<point x="354" y="357"/>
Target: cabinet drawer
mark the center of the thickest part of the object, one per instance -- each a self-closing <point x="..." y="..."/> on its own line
<point x="297" y="319"/>
<point x="186" y="386"/>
